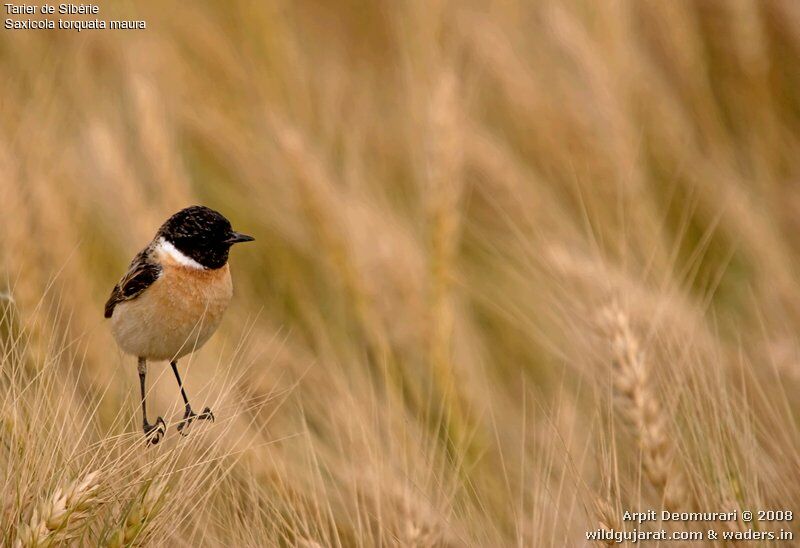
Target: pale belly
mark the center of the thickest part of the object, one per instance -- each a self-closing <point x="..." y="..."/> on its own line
<point x="175" y="316"/>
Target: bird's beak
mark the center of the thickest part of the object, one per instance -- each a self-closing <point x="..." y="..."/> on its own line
<point x="238" y="237"/>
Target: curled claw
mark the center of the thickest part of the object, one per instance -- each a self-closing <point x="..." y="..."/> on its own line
<point x="190" y="416"/>
<point x="206" y="415"/>
<point x="155" y="432"/>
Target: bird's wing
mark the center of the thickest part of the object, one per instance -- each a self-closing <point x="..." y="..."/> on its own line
<point x="142" y="272"/>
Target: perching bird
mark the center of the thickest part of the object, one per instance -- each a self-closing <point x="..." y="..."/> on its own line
<point x="173" y="297"/>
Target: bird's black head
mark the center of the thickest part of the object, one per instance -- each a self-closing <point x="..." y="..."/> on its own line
<point x="201" y="234"/>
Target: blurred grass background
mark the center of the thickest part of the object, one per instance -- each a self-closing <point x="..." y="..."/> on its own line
<point x="448" y="198"/>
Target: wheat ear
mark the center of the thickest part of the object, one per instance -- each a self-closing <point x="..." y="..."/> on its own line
<point x="139" y="515"/>
<point x="60" y="514"/>
<point x="607" y="518"/>
<point x="637" y="403"/>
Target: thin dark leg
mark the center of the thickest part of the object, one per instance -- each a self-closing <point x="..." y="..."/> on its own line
<point x="142" y="373"/>
<point x="153" y="432"/>
<point x="174" y="365"/>
<point x="189" y="415"/>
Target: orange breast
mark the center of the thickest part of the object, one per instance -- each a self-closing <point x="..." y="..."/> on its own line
<point x="175" y="315"/>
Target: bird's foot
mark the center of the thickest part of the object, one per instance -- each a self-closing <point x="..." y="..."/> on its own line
<point x="155" y="432"/>
<point x="190" y="415"/>
<point x="206" y="415"/>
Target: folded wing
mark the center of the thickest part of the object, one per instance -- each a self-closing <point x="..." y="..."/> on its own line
<point x="141" y="274"/>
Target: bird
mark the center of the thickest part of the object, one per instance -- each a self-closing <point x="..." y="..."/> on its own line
<point x="172" y="299"/>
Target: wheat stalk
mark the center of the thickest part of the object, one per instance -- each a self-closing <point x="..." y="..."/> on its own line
<point x="641" y="409"/>
<point x="59" y="515"/>
<point x="445" y="189"/>
<point x="444" y="195"/>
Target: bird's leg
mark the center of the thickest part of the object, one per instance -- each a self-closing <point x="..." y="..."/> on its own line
<point x="189" y="415"/>
<point x="153" y="432"/>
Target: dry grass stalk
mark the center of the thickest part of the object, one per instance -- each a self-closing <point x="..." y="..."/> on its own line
<point x="637" y="402"/>
<point x="9" y="422"/>
<point x="59" y="517"/>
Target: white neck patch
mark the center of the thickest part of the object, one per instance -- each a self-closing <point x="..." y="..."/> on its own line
<point x="175" y="254"/>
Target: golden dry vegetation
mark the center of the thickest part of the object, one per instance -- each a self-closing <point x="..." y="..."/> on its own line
<point x="519" y="266"/>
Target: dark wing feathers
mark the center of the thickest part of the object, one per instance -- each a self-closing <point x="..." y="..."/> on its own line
<point x="141" y="274"/>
